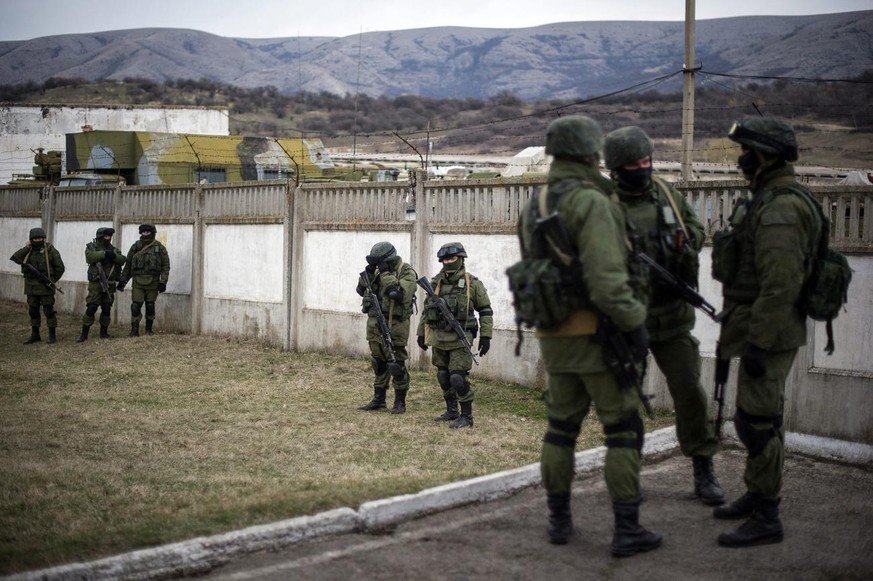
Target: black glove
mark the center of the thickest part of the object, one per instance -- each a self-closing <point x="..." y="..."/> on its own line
<point x="639" y="339"/>
<point x="162" y="287"/>
<point x="120" y="285"/>
<point x="421" y="343"/>
<point x="394" y="292"/>
<point x="110" y="255"/>
<point x="754" y="361"/>
<point x="383" y="267"/>
<point x="370" y="269"/>
<point x="484" y="345"/>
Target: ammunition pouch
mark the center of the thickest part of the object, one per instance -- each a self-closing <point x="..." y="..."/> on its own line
<point x="540" y="293"/>
<point x="725" y="256"/>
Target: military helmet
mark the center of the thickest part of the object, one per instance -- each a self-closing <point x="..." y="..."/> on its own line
<point x="626" y="145"/>
<point x="451" y="249"/>
<point x="105" y="231"/>
<point x="149" y="227"/>
<point x="381" y="251"/>
<point x="573" y="136"/>
<point x="37" y="233"/>
<point x="769" y="135"/>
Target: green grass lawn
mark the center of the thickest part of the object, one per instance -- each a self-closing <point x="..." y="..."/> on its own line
<point x="110" y="446"/>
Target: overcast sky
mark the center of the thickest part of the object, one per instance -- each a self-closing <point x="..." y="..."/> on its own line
<point x="26" y="19"/>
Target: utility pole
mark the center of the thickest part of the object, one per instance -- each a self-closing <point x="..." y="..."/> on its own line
<point x="688" y="92"/>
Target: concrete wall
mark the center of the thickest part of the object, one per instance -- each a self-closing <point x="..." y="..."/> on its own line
<point x="26" y="128"/>
<point x="280" y="263"/>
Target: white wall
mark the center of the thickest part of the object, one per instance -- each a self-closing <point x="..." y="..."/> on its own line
<point x="244" y="262"/>
<point x="16" y="233"/>
<point x="332" y="262"/>
<point x="488" y="257"/>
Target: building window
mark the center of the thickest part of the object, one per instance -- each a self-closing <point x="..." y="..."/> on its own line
<point x="210" y="175"/>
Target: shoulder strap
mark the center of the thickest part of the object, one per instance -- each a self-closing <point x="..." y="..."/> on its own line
<point x="666" y="193"/>
<point x="144" y="248"/>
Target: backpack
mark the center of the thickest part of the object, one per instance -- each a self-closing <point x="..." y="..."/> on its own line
<point x="545" y="291"/>
<point x="826" y="288"/>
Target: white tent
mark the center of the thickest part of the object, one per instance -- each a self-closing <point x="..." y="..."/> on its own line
<point x="857" y="177"/>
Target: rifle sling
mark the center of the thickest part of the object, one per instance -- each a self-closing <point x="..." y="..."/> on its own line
<point x="665" y="191"/>
<point x="48" y="267"/>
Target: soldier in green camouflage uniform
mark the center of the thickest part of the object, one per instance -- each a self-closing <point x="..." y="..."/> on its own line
<point x="100" y="251"/>
<point x="148" y="265"/>
<point x="465" y="296"/>
<point x="761" y="263"/>
<point x="45" y="258"/>
<point x="666" y="228"/>
<point x="393" y="282"/>
<point x="577" y="374"/>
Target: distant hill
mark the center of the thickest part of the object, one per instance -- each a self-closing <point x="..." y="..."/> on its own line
<point x="565" y="60"/>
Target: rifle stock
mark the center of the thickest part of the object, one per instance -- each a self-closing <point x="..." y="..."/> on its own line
<point x="447" y="315"/>
<point x="42" y="278"/>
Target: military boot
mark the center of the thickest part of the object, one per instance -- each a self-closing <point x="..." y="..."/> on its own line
<point x="706" y="485"/>
<point x="104" y="332"/>
<point x="84" y="336"/>
<point x="399" y="406"/>
<point x="34" y="336"/>
<point x="378" y="401"/>
<point x="560" y="520"/>
<point x="629" y="537"/>
<point x="53" y="336"/>
<point x="740" y="508"/>
<point x="149" y="323"/>
<point x="465" y="420"/>
<point x="451" y="412"/>
<point x="764" y="528"/>
<point x="134" y="330"/>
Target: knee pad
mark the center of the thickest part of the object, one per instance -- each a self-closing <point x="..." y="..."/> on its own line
<point x="33" y="312"/>
<point x="755" y="439"/>
<point x="49" y="311"/>
<point x="91" y="308"/>
<point x="458" y="380"/>
<point x="105" y="309"/>
<point x="443" y="378"/>
<point x="135" y="309"/>
<point x="397" y="369"/>
<point x="150" y="310"/>
<point x="567" y="440"/>
<point x="379" y="366"/>
<point x="632" y="423"/>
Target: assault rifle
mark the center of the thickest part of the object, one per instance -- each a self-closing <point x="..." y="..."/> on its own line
<point x="42" y="278"/>
<point x="619" y="358"/>
<point x="685" y="291"/>
<point x="722" y="369"/>
<point x="104" y="280"/>
<point x="448" y="317"/>
<point x="382" y="324"/>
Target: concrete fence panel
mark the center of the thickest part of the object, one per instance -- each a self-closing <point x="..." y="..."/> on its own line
<point x="279" y="262"/>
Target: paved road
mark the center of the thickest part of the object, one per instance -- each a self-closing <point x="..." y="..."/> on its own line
<point x="826" y="510"/>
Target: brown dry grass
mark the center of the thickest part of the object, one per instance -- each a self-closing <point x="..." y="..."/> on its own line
<point x="109" y="446"/>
